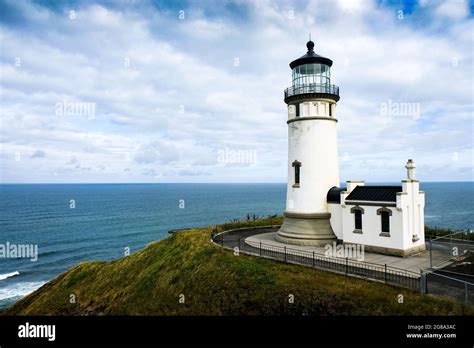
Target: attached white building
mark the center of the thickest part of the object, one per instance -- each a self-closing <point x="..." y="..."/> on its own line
<point x="385" y="219"/>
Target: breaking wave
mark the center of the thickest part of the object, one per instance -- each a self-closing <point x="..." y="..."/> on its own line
<point x="18" y="290"/>
<point x="9" y="275"/>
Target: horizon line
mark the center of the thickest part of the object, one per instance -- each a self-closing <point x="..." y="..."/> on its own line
<point x="200" y="183"/>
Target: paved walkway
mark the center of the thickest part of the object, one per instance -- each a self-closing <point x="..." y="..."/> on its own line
<point x="411" y="263"/>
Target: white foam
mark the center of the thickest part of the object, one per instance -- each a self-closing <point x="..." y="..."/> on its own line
<point x="19" y="289"/>
<point x="8" y="275"/>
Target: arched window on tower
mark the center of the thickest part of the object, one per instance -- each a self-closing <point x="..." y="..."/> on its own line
<point x="297" y="166"/>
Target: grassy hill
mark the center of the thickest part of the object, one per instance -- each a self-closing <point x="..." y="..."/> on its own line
<point x="215" y="282"/>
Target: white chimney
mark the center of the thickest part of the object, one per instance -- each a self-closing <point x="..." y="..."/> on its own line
<point x="352" y="184"/>
<point x="410" y="166"/>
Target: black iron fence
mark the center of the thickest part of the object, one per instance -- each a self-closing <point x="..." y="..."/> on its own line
<point x="429" y="281"/>
<point x="388" y="274"/>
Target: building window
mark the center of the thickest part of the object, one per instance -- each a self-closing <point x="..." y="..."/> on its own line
<point x="358" y="220"/>
<point x="330" y="109"/>
<point x="297" y="166"/>
<point x="385" y="222"/>
<point x="385" y="214"/>
<point x="357" y="211"/>
<point x="297" y="106"/>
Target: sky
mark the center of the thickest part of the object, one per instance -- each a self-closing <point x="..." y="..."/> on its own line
<point x="178" y="91"/>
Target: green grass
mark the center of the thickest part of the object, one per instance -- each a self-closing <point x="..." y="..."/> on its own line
<point x="249" y="221"/>
<point x="215" y="282"/>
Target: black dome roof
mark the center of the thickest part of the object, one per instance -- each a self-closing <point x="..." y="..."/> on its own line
<point x="310" y="57"/>
<point x="334" y="194"/>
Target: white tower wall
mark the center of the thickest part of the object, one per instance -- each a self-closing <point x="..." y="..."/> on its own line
<point x="312" y="141"/>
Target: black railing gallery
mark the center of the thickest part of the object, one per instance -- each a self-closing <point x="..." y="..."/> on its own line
<point x="312" y="88"/>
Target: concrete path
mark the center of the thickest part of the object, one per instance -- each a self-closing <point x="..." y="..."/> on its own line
<point x="412" y="263"/>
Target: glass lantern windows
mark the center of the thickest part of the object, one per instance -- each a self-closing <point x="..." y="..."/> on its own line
<point x="308" y="74"/>
<point x="314" y="69"/>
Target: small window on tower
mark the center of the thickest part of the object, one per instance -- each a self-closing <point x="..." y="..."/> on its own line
<point x="297" y="106"/>
<point x="297" y="174"/>
<point x="330" y="109"/>
<point x="297" y="166"/>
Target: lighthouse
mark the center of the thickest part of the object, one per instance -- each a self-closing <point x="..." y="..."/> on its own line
<point x="312" y="151"/>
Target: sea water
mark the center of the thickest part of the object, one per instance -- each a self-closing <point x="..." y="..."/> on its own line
<point x="71" y="223"/>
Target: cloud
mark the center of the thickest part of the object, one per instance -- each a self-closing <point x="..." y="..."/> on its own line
<point x="150" y="172"/>
<point x="168" y="94"/>
<point x="38" y="154"/>
<point x="454" y="9"/>
<point x="157" y="151"/>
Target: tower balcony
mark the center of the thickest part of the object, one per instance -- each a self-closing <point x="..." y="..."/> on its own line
<point x="311" y="90"/>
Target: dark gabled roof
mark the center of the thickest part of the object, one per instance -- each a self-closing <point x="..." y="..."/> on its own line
<point x="310" y="57"/>
<point x="374" y="193"/>
<point x="334" y="194"/>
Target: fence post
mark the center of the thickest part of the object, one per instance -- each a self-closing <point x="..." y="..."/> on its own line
<point x="465" y="293"/>
<point x="426" y="289"/>
<point x="285" y="253"/>
<point x="431" y="257"/>
<point x="313" y="258"/>
<point x="385" y="273"/>
<point x="260" y="248"/>
<point x="347" y="266"/>
<point x="223" y="239"/>
<point x="422" y="282"/>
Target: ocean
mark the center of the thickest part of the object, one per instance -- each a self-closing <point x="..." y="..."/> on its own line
<point x="71" y="223"/>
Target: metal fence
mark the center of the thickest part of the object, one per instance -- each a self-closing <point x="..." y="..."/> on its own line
<point x="444" y="249"/>
<point x="429" y="281"/>
<point x="434" y="282"/>
<point x="385" y="273"/>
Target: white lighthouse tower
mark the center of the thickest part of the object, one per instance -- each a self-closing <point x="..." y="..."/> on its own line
<point x="312" y="151"/>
